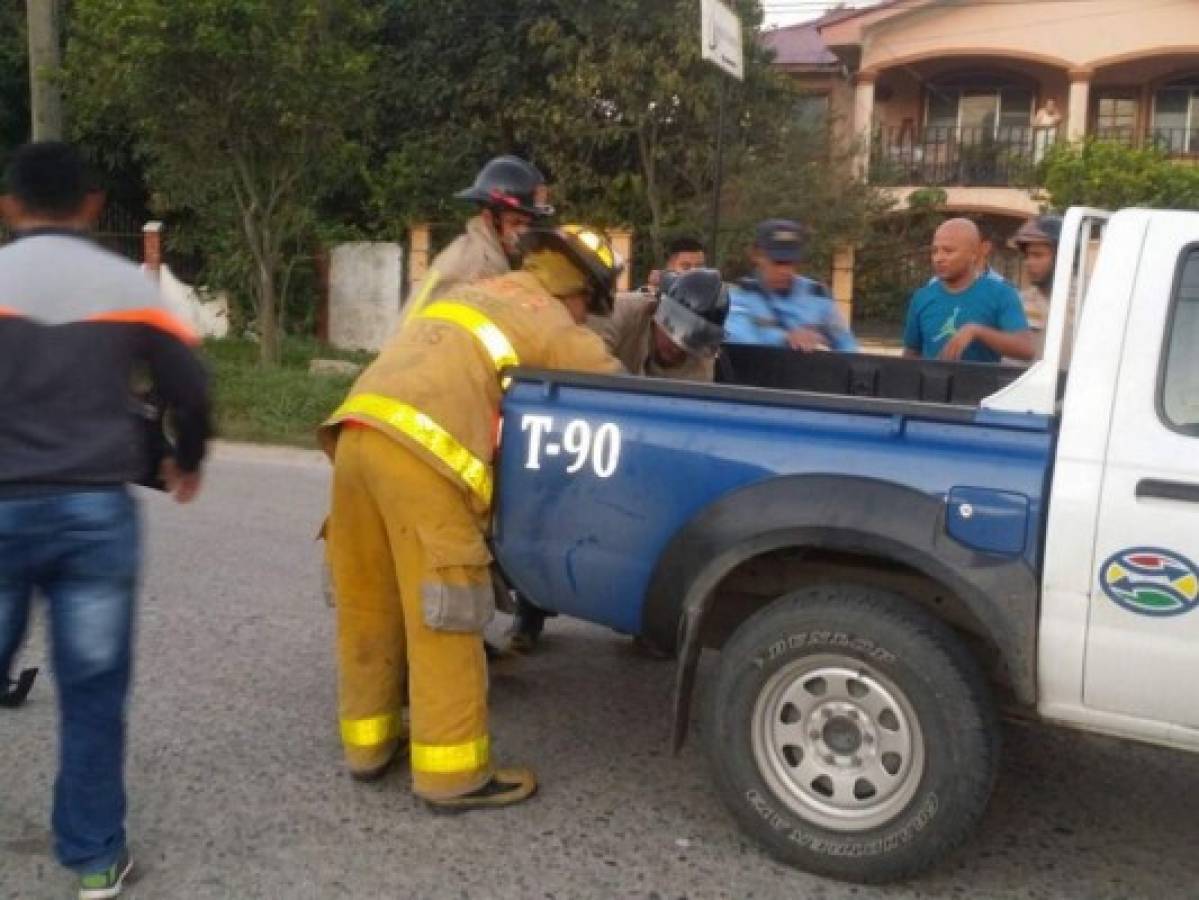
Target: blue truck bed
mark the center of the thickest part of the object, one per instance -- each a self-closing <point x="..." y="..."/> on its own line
<point x="589" y="546"/>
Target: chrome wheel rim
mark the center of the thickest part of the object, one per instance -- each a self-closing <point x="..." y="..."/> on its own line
<point x="838" y="743"/>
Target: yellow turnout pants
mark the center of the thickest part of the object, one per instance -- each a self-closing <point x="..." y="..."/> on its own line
<point x="401" y="533"/>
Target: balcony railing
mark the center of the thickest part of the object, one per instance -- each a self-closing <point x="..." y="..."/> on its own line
<point x="1179" y="143"/>
<point x="960" y="157"/>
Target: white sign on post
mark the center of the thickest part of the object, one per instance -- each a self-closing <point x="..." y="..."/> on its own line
<point x="721" y="38"/>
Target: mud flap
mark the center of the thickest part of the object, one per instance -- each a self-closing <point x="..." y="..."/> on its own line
<point x="689" y="648"/>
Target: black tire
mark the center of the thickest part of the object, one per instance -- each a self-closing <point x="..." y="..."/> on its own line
<point x="907" y="662"/>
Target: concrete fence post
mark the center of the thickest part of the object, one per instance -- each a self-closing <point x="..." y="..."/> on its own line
<point x="843" y="261"/>
<point x="420" y="255"/>
<point x="622" y="243"/>
<point x="152" y="247"/>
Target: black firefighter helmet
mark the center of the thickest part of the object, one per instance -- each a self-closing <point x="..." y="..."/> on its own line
<point x="508" y="182"/>
<point x="692" y="308"/>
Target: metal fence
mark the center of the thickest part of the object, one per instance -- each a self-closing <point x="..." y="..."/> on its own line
<point x="960" y="157"/>
<point x="118" y="229"/>
<point x="1178" y="143"/>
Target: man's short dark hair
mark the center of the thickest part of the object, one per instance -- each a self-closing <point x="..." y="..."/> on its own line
<point x="683" y="244"/>
<point x="48" y="178"/>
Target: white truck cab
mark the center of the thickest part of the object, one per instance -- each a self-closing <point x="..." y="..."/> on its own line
<point x="1119" y="638"/>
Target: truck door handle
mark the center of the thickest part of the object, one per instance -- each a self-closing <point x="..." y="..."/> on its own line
<point x="1168" y="490"/>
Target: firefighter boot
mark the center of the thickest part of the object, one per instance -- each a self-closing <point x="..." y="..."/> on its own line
<point x="507" y="787"/>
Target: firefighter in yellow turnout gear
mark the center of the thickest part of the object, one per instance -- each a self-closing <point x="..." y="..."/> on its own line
<point x="412" y="448"/>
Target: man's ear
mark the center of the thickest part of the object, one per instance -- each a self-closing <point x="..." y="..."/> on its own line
<point x="93" y="205"/>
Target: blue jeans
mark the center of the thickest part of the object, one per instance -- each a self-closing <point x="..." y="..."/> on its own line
<point x="82" y="551"/>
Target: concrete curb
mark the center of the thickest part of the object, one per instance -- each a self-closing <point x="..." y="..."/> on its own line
<point x="266" y="453"/>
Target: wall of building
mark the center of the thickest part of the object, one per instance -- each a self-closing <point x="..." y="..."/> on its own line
<point x="1066" y="32"/>
<point x="365" y="281"/>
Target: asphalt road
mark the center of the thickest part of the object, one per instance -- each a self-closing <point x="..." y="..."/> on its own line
<point x="237" y="792"/>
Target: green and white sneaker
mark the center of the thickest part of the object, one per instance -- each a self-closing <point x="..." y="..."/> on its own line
<point x="106" y="884"/>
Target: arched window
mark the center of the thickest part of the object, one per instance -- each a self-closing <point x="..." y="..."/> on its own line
<point x="978" y="107"/>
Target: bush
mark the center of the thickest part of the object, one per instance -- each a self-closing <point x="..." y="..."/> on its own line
<point x="1113" y="176"/>
<point x="282" y="405"/>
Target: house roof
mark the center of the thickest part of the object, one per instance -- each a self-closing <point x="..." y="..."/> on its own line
<point x="842" y="15"/>
<point x="798" y="45"/>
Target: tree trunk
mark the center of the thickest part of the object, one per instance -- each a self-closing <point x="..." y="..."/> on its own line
<point x="45" y="64"/>
<point x="647" y="146"/>
<point x="269" y="333"/>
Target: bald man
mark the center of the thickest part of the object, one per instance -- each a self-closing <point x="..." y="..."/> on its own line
<point x="964" y="315"/>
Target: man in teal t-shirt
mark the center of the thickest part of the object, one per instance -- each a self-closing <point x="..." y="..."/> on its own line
<point x="962" y="315"/>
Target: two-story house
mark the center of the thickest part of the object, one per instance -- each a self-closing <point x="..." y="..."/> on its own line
<point x="968" y="96"/>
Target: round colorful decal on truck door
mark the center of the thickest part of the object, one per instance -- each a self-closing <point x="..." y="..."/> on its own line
<point x="1151" y="582"/>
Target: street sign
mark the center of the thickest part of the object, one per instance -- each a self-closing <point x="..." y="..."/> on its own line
<point x="721" y="38"/>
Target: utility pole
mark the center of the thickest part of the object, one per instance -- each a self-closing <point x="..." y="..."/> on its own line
<point x="721" y="45"/>
<point x="45" y="64"/>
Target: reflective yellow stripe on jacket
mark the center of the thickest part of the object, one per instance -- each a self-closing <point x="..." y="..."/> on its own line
<point x="428" y="434"/>
<point x="450" y="759"/>
<point x="494" y="341"/>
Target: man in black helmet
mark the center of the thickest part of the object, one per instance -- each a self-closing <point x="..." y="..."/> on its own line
<point x="510" y="194"/>
<point x="1037" y="241"/>
<point x="675" y="334"/>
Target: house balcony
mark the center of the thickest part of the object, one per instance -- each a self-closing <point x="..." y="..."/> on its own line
<point x="1177" y="143"/>
<point x="1005" y="156"/>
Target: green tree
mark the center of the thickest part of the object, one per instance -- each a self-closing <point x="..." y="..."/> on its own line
<point x="615" y="105"/>
<point x="14" y="78"/>
<point x="245" y="113"/>
<point x="631" y="123"/>
<point x="451" y="78"/>
<point x="1113" y="176"/>
<point x="895" y="257"/>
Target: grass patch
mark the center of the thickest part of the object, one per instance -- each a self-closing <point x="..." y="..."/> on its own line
<point x="281" y="405"/>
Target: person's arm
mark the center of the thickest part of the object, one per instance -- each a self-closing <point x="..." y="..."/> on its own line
<point x="629" y="311"/>
<point x="745" y="326"/>
<point x="1012" y="344"/>
<point x="181" y="380"/>
<point x="1012" y="338"/>
<point x="839" y="334"/>
<point x="579" y="349"/>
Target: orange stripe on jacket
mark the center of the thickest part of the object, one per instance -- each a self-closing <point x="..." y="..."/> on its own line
<point x="155" y="318"/>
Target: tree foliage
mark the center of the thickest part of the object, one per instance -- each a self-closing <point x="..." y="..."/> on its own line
<point x="243" y="111"/>
<point x="895" y="261"/>
<point x="615" y="105"/>
<point x="1113" y="176"/>
<point x="263" y="124"/>
<point x="14" y="78"/>
<point x="451" y="75"/>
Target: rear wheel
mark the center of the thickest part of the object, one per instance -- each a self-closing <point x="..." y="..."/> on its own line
<point x="852" y="734"/>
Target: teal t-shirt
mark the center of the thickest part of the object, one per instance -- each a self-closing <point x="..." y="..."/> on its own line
<point x="935" y="315"/>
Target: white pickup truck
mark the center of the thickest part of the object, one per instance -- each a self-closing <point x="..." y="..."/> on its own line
<point x="881" y="548"/>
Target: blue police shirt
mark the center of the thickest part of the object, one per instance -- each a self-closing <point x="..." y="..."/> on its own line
<point x="935" y="315"/>
<point x="760" y="316"/>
